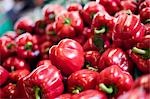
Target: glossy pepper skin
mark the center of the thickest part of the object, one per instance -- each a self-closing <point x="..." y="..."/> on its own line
<point x="129" y="5"/>
<point x="89" y="10"/>
<point x="90" y="94"/>
<point x="140" y="94"/>
<point x="50" y="12"/>
<point x="91" y="59"/>
<point x="103" y="24"/>
<point x="111" y="6"/>
<point x="115" y="56"/>
<point x="44" y="82"/>
<point x="68" y="56"/>
<point x="7" y="91"/>
<point x="27" y="46"/>
<point x="143" y="81"/>
<point x="7" y="47"/>
<point x="81" y="80"/>
<point x="145" y="15"/>
<point x="15" y="63"/>
<point x="145" y="3"/>
<point x="4" y="74"/>
<point x="44" y="62"/>
<point x="23" y="25"/>
<point x="128" y="31"/>
<point x="69" y="24"/>
<point x="74" y="7"/>
<point x="141" y="54"/>
<point x="18" y="74"/>
<point x="114" y="81"/>
<point x="64" y="96"/>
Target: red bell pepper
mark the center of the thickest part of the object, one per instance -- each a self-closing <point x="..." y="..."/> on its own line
<point x="51" y="33"/>
<point x="145" y="15"/>
<point x="68" y="56"/>
<point x="137" y="93"/>
<point x="91" y="59"/>
<point x="147" y="27"/>
<point x="27" y="46"/>
<point x="64" y="96"/>
<point x="39" y="27"/>
<point x="74" y="7"/>
<point x="3" y="75"/>
<point x="44" y="49"/>
<point x="7" y="47"/>
<point x="141" y="54"/>
<point x="114" y="81"/>
<point x="89" y="10"/>
<point x="129" y="5"/>
<point x="97" y="43"/>
<point x="103" y="24"/>
<point x="44" y="82"/>
<point x="90" y="94"/>
<point x="44" y="62"/>
<point x="143" y="81"/>
<point x="128" y="31"/>
<point x="81" y="80"/>
<point x="23" y="25"/>
<point x="111" y="6"/>
<point x="115" y="56"/>
<point x="87" y="32"/>
<point x="145" y="3"/>
<point x="69" y="24"/>
<point x="50" y="12"/>
<point x="11" y="34"/>
<point x="18" y="74"/>
<point x="7" y="91"/>
<point x="15" y="63"/>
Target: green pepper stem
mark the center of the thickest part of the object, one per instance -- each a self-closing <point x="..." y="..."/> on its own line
<point x="147" y="21"/>
<point x="139" y="51"/>
<point x="77" y="90"/>
<point x="52" y="16"/>
<point x="37" y="91"/>
<point x="91" y="68"/>
<point x="67" y="21"/>
<point x="9" y="46"/>
<point x="28" y="46"/>
<point x="106" y="89"/>
<point x="100" y="31"/>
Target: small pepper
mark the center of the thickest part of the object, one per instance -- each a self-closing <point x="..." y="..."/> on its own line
<point x="114" y="81"/>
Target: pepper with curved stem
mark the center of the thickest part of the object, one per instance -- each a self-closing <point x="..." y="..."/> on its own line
<point x="101" y="30"/>
<point x="37" y="92"/>
<point x="77" y="90"/>
<point x="106" y="89"/>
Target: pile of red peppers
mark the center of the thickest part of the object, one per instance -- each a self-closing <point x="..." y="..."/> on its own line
<point x="97" y="51"/>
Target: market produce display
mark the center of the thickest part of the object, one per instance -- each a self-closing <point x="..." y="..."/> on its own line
<point x="100" y="50"/>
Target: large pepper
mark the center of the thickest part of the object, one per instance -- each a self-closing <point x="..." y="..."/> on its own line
<point x="69" y="24"/>
<point x="89" y="10"/>
<point x="3" y="75"/>
<point x="91" y="59"/>
<point x="81" y="80"/>
<point x="27" y="46"/>
<point x="114" y="81"/>
<point x="45" y="82"/>
<point x="90" y="94"/>
<point x="50" y="12"/>
<point x="15" y="63"/>
<point x="23" y="25"/>
<point x="115" y="56"/>
<point x="128" y="31"/>
<point x="111" y="6"/>
<point x="7" y="48"/>
<point x="141" y="54"/>
<point x="68" y="56"/>
<point x="103" y="24"/>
